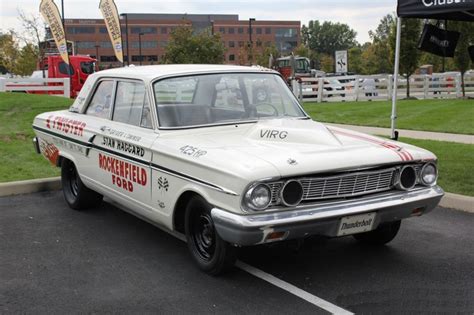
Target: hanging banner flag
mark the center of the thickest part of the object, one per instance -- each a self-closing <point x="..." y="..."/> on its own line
<point x="438" y="41"/>
<point x="50" y="13"/>
<point x="111" y="18"/>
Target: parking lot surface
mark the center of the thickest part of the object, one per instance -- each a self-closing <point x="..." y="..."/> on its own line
<point x="56" y="260"/>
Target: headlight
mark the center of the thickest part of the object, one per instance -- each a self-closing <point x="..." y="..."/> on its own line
<point x="407" y="178"/>
<point x="258" y="197"/>
<point x="292" y="193"/>
<point x="429" y="174"/>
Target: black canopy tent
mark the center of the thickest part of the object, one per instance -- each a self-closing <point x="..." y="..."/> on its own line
<point x="460" y="10"/>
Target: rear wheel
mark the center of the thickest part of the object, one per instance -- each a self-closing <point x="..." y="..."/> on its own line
<point x="77" y="196"/>
<point x="381" y="235"/>
<point x="211" y="253"/>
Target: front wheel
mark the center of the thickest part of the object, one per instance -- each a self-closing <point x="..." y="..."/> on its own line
<point x="211" y="253"/>
<point x="381" y="235"/>
<point x="76" y="194"/>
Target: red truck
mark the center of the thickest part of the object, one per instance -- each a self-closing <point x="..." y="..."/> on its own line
<point x="80" y="67"/>
<point x="302" y="68"/>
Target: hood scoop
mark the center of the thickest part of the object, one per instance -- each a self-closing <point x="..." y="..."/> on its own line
<point x="296" y="131"/>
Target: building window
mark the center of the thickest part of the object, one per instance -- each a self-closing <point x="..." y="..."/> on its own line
<point x="81" y="30"/>
<point x="108" y="59"/>
<point x="231" y="30"/>
<point x="231" y="57"/>
<point x="231" y="44"/>
<point x="85" y="45"/>
<point x="286" y="32"/>
<point x="240" y="30"/>
<point x="268" y="30"/>
<point x="145" y="30"/>
<point x="222" y="30"/>
<point x="259" y="30"/>
<point x="145" y="44"/>
<point x="250" y="30"/>
<point x="103" y="30"/>
<point x="241" y="44"/>
<point x="149" y="58"/>
<point x="164" y="30"/>
<point x="105" y="45"/>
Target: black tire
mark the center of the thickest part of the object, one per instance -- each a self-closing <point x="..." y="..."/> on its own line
<point x="211" y="253"/>
<point x="77" y="196"/>
<point x="381" y="235"/>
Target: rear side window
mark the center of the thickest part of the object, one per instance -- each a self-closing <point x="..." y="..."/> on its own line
<point x="131" y="106"/>
<point x="101" y="103"/>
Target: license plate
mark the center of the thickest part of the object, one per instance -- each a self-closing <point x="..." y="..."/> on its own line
<point x="356" y="224"/>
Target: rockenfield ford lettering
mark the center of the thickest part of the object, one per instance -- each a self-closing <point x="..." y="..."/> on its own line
<point x="124" y="174"/>
<point x="123" y="146"/>
<point x="66" y="125"/>
<point x="429" y="3"/>
<point x="346" y="226"/>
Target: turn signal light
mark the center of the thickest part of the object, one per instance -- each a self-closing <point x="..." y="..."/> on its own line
<point x="417" y="212"/>
<point x="276" y="236"/>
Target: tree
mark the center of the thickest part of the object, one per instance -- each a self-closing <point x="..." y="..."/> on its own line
<point x="380" y="52"/>
<point x="328" y="37"/>
<point x="327" y="63"/>
<point x="409" y="52"/>
<point x="26" y="61"/>
<point x="186" y="47"/>
<point x="462" y="59"/>
<point x="263" y="58"/>
<point x="32" y="36"/>
<point x="9" y="51"/>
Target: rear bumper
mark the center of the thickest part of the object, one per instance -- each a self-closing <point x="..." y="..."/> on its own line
<point x="323" y="218"/>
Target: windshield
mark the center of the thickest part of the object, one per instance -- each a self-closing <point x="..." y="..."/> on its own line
<point x="223" y="98"/>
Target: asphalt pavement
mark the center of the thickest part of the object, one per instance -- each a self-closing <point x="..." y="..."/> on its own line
<point x="56" y="260"/>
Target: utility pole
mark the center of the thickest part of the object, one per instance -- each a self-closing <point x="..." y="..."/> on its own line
<point x="250" y="40"/>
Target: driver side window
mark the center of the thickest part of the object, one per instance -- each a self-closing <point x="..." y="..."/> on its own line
<point x="101" y="102"/>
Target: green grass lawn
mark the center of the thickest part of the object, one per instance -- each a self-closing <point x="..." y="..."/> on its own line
<point x="452" y="116"/>
<point x="18" y="158"/>
<point x="19" y="161"/>
<point x="454" y="163"/>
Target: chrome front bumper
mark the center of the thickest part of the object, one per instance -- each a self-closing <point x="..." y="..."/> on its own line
<point x="322" y="218"/>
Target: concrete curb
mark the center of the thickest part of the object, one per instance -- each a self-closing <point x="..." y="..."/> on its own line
<point x="460" y="202"/>
<point x="453" y="201"/>
<point x="29" y="186"/>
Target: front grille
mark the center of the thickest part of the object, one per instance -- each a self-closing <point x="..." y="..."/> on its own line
<point x="340" y="186"/>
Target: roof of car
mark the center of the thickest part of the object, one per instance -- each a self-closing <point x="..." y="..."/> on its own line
<point x="153" y="72"/>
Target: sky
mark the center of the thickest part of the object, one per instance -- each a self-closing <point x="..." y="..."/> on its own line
<point x="361" y="15"/>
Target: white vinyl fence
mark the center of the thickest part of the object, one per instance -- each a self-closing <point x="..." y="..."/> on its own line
<point x="61" y="87"/>
<point x="379" y="87"/>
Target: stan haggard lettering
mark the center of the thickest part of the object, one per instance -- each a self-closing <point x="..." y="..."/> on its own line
<point x="123" y="146"/>
<point x="124" y="174"/>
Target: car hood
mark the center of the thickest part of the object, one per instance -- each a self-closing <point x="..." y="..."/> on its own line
<point x="294" y="147"/>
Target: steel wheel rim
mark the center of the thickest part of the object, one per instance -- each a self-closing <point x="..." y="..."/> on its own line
<point x="73" y="181"/>
<point x="204" y="236"/>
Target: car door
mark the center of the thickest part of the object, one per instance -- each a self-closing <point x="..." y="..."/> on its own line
<point x="121" y="147"/>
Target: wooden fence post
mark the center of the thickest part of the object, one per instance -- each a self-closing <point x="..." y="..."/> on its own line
<point x="425" y="86"/>
<point x="356" y="88"/>
<point x="2" y="84"/>
<point x="389" y="86"/>
<point x="320" y="89"/>
<point x="67" y="88"/>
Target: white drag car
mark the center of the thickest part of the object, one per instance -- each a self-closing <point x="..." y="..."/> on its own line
<point x="201" y="150"/>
